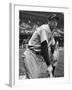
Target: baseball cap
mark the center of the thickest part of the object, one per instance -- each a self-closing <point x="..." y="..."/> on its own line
<point x="53" y="17"/>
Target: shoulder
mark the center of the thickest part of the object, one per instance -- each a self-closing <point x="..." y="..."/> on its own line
<point x="43" y="28"/>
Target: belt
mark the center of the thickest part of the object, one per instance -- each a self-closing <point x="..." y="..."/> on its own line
<point x="36" y="52"/>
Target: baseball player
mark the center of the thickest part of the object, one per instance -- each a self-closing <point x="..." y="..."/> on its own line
<point x="37" y="49"/>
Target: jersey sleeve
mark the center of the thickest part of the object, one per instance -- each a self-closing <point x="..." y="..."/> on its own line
<point x="43" y="36"/>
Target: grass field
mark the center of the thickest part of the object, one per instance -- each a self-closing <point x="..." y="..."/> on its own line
<point x="59" y="72"/>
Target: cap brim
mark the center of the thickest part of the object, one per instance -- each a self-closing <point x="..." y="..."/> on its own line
<point x="54" y="17"/>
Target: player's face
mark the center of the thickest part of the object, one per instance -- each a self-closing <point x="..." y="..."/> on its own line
<point x="53" y="23"/>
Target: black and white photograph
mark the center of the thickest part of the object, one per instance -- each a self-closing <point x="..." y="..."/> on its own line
<point x="41" y="44"/>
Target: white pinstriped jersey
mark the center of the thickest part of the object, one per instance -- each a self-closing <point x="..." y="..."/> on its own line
<point x="41" y="34"/>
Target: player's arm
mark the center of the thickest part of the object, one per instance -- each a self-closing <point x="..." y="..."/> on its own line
<point x="44" y="50"/>
<point x="44" y="46"/>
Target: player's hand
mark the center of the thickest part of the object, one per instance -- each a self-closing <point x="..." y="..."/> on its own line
<point x="50" y="69"/>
